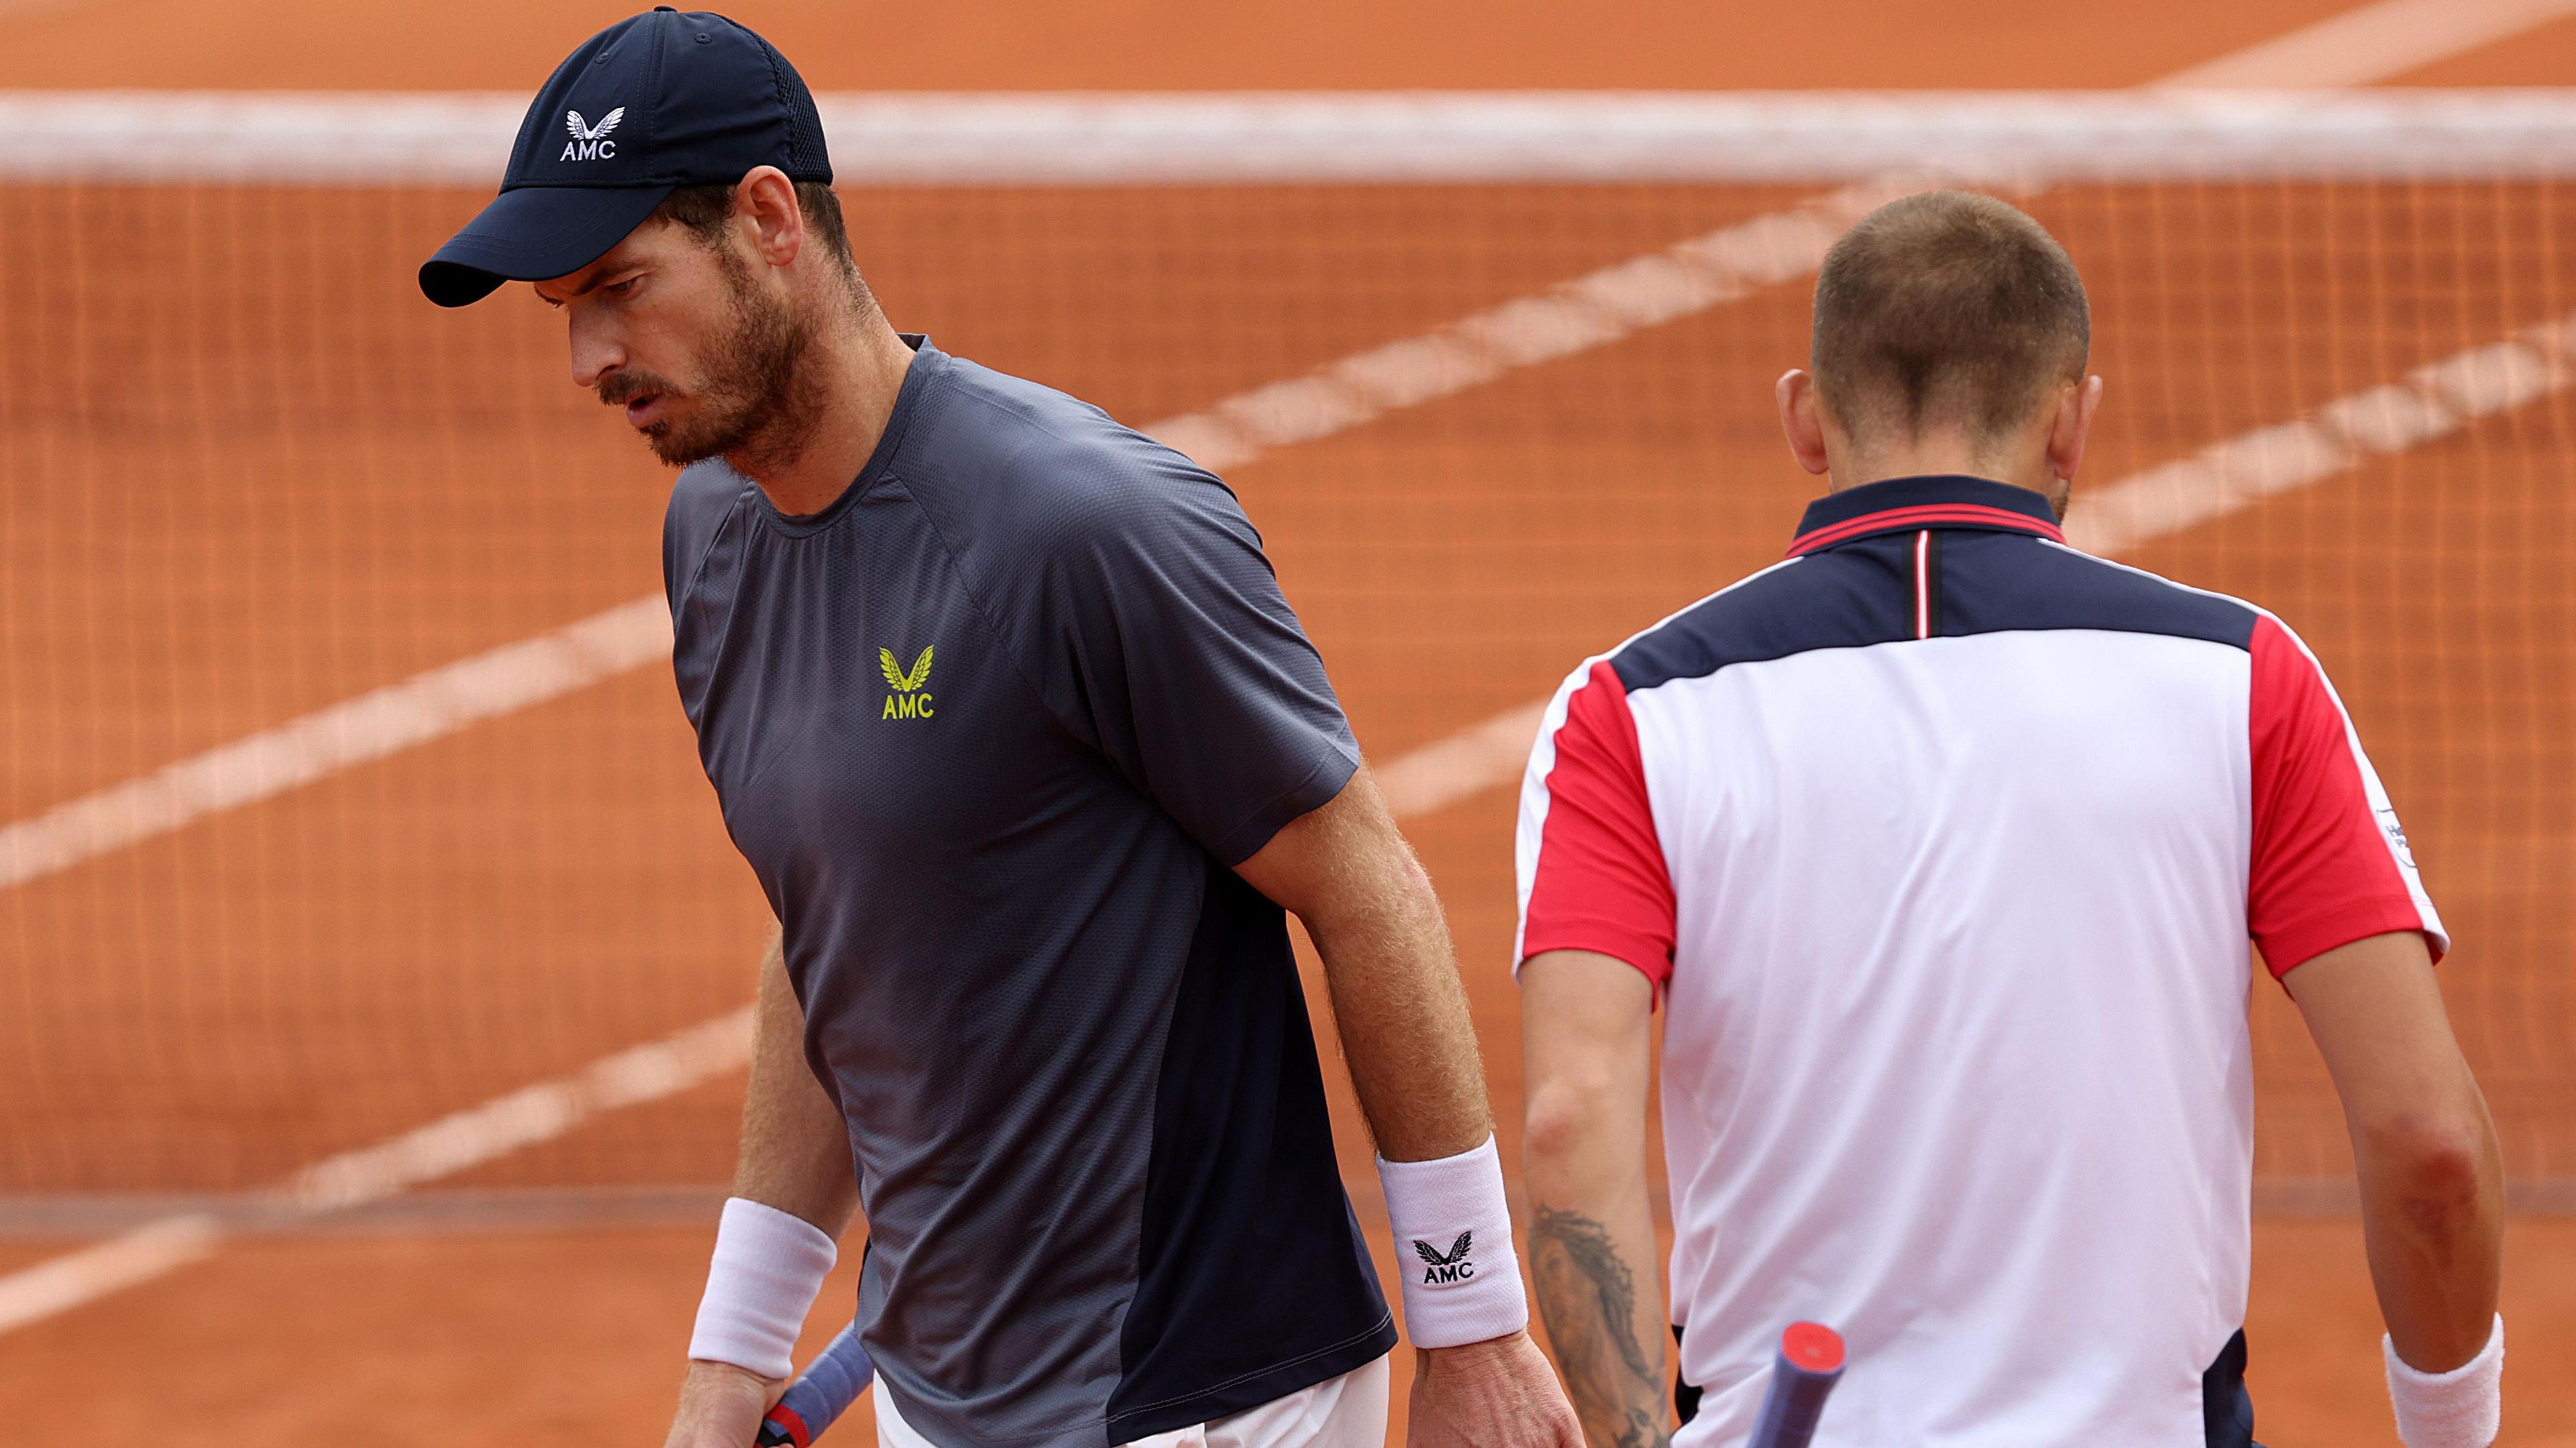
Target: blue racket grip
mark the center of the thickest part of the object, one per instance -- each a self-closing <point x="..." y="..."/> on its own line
<point x="1803" y="1375"/>
<point x="820" y="1395"/>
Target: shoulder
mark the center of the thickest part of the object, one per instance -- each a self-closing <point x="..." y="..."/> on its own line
<point x="1791" y="607"/>
<point x="1011" y="465"/>
<point x="2081" y="590"/>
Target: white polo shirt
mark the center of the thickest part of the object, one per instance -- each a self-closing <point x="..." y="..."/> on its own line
<point x="1943" y="843"/>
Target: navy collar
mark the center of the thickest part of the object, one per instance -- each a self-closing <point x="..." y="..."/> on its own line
<point x="1898" y="504"/>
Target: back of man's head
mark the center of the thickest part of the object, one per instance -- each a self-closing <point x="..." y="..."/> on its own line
<point x="1946" y="312"/>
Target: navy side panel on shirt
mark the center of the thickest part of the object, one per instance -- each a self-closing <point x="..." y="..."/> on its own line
<point x="1246" y="1248"/>
<point x="992" y="731"/>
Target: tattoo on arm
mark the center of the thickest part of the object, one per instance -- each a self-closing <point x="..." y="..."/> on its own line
<point x="1588" y="1298"/>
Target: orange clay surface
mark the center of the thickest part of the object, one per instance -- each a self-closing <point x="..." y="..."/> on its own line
<point x="244" y="473"/>
<point x="1167" y="44"/>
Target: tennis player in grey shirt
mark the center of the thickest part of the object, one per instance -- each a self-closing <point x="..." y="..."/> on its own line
<point x="1004" y="707"/>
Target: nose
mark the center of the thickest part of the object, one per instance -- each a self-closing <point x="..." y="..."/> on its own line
<point x="596" y="351"/>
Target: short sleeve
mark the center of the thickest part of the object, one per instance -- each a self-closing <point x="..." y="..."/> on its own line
<point x="1592" y="872"/>
<point x="2330" y="862"/>
<point x="1187" y="667"/>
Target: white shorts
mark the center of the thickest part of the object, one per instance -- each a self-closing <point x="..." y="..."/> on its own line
<point x="1344" y="1412"/>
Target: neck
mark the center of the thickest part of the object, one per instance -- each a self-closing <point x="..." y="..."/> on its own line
<point x="847" y="381"/>
<point x="1947" y="454"/>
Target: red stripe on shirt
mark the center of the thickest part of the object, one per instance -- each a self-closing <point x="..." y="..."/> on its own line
<point x="1970" y="514"/>
<point x="1600" y="883"/>
<point x="2323" y="874"/>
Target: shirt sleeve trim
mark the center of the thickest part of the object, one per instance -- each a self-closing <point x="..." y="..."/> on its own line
<point x="1601" y="937"/>
<point x="1320" y="787"/>
<point x="2294" y="945"/>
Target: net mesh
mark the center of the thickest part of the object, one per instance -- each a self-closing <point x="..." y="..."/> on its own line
<point x="247" y="474"/>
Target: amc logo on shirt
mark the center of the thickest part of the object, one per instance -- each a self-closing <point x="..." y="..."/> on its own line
<point x="909" y="699"/>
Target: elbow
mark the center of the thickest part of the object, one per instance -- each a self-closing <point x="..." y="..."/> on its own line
<point x="1563" y="1119"/>
<point x="2437" y="1170"/>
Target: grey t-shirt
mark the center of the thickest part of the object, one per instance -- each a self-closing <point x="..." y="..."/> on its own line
<point x="992" y="730"/>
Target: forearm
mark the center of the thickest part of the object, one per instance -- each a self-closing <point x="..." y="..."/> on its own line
<point x="1404" y="1026"/>
<point x="2433" y="1226"/>
<point x="1397" y="1000"/>
<point x="1411" y="1048"/>
<point x="1593" y="1263"/>
<point x="775" y="1245"/>
<point x="795" y="1149"/>
<point x="1592" y="1259"/>
<point x="2432" y="1182"/>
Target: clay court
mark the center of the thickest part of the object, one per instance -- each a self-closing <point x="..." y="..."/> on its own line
<point x="248" y="475"/>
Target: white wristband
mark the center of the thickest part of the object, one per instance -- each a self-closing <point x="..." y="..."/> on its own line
<point x="2459" y="1409"/>
<point x="1453" y="1243"/>
<point x="768" y="1265"/>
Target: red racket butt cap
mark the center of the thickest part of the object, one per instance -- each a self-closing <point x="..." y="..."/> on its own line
<point x="1813" y="1346"/>
<point x="785" y="1418"/>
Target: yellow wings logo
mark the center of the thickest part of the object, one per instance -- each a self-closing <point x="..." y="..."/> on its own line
<point x="905" y="680"/>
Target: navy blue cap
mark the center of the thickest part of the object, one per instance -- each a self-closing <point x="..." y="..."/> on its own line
<point x="662" y="100"/>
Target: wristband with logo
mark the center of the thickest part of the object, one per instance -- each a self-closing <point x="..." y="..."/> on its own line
<point x="2462" y="1408"/>
<point x="1453" y="1243"/>
<point x="767" y="1267"/>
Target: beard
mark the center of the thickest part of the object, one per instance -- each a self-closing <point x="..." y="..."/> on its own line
<point x="754" y="405"/>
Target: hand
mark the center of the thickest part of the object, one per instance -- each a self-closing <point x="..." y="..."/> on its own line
<point x="721" y="1406"/>
<point x="1498" y="1394"/>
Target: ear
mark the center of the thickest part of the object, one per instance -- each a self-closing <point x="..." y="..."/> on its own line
<point x="1802" y="419"/>
<point x="2072" y="427"/>
<point x="767" y="199"/>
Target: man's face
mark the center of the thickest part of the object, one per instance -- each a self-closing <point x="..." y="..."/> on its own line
<point x="683" y="337"/>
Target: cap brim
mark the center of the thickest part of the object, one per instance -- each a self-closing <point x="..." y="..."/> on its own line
<point x="534" y="233"/>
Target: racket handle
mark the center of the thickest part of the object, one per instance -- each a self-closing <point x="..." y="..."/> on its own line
<point x="1810" y="1362"/>
<point x="820" y="1395"/>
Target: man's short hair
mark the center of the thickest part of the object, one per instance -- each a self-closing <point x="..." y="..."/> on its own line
<point x="1946" y="309"/>
<point x="705" y="210"/>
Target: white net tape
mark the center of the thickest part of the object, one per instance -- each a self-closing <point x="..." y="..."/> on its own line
<point x="920" y="139"/>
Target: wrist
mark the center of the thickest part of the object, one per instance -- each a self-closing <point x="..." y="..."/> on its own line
<point x="2460" y="1408"/>
<point x="761" y="1281"/>
<point x="1453" y="1237"/>
<point x="711" y="1371"/>
<point x="1469" y="1352"/>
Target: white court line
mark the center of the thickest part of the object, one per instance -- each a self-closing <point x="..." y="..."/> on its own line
<point x="1469" y="762"/>
<point x="377" y="723"/>
<point x="2430" y="403"/>
<point x="2372" y="43"/>
<point x="31" y="9"/>
<point x="451" y="1144"/>
<point x="1587" y="312"/>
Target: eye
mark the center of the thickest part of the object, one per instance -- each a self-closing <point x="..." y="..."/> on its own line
<point x="623" y="289"/>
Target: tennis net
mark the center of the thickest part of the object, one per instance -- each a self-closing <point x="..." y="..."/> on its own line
<point x="340" y="791"/>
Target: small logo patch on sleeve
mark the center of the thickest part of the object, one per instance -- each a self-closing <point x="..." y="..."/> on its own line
<point x="2397" y="837"/>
